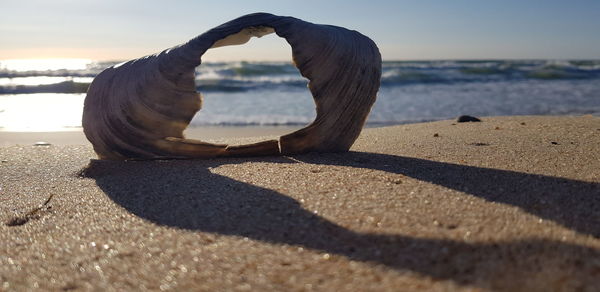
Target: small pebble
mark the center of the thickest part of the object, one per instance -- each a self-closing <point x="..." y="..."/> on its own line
<point x="479" y="144"/>
<point x="41" y="143"/>
<point x="523" y="124"/>
<point x="465" y="118"/>
<point x="554" y="143"/>
<point x="436" y="135"/>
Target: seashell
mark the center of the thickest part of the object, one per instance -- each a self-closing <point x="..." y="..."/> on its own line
<point x="140" y="108"/>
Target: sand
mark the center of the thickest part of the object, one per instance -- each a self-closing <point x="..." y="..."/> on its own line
<point x="508" y="204"/>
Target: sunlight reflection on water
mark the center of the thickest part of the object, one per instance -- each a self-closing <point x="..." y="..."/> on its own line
<point x="42" y="112"/>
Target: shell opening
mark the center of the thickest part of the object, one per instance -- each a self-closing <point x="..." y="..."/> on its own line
<point x="243" y="36"/>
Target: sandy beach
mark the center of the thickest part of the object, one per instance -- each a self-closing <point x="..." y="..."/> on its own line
<point x="507" y="204"/>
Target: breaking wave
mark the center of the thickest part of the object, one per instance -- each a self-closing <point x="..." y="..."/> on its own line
<point x="247" y="76"/>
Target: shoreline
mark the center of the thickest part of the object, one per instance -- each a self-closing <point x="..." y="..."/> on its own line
<point x="75" y="136"/>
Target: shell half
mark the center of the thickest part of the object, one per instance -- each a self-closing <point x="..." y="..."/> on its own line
<point x="140" y="108"/>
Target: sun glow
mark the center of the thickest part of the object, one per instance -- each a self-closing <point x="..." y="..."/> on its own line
<point x="23" y="65"/>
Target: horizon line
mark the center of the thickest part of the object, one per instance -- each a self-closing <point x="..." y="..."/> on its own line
<point x="289" y="60"/>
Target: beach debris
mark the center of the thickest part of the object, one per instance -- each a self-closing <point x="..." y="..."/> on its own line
<point x="139" y="109"/>
<point x="466" y="119"/>
<point x="450" y="226"/>
<point x="554" y="143"/>
<point x="436" y="135"/>
<point x="479" y="144"/>
<point x="396" y="181"/>
<point x="41" y="143"/>
<point x="20" y="220"/>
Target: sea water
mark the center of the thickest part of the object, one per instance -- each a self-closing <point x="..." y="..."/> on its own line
<point x="48" y="95"/>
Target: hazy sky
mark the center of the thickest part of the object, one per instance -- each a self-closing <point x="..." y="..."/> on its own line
<point x="420" y="29"/>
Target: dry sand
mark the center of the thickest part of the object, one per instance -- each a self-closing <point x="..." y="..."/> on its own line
<point x="510" y="203"/>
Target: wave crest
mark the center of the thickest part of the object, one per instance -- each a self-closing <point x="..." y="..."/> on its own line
<point x="247" y="76"/>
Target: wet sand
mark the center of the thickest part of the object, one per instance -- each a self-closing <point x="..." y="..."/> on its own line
<point x="507" y="204"/>
<point x="75" y="136"/>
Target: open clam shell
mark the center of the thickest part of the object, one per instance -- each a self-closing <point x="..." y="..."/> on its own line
<point x="140" y="108"/>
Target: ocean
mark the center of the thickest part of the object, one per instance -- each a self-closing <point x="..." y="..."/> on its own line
<point x="47" y="95"/>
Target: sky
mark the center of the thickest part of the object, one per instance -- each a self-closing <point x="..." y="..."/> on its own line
<point x="403" y="30"/>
